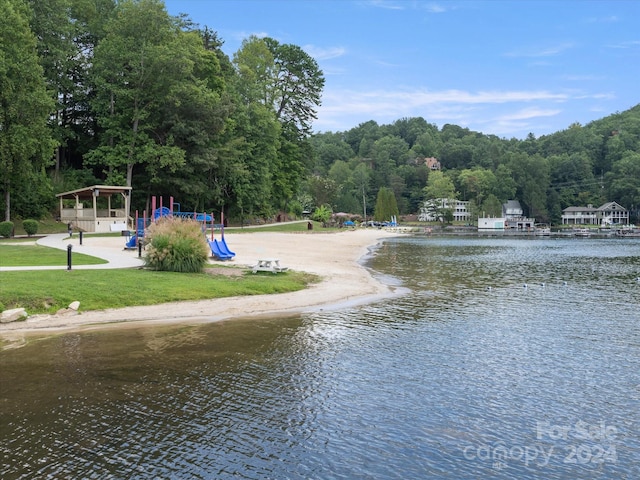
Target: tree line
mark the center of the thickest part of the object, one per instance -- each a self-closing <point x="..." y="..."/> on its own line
<point x="122" y="93"/>
<point x="581" y="165"/>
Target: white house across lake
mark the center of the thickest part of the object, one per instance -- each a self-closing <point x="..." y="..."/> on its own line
<point x="611" y="213"/>
<point x="512" y="220"/>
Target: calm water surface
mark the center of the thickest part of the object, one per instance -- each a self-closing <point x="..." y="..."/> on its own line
<point x="508" y="359"/>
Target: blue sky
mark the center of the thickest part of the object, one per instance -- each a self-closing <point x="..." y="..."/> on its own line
<point x="507" y="68"/>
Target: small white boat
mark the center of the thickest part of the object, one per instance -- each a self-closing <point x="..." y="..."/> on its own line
<point x="582" y="232"/>
<point x="542" y="229"/>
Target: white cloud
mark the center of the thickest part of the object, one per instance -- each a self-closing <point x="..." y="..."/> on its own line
<point x="548" y="51"/>
<point x="447" y="104"/>
<point x="240" y="36"/>
<point x="431" y="7"/>
<point x="435" y="8"/>
<point x="386" y="4"/>
<point x="582" y="78"/>
<point x="599" y="96"/>
<point x="607" y="19"/>
<point x="320" y="53"/>
<point x="422" y="97"/>
<point x="527" y="113"/>
<point x="625" y="45"/>
<point x="499" y="112"/>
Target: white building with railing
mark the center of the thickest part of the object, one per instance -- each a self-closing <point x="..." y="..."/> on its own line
<point x="611" y="213"/>
<point x="429" y="212"/>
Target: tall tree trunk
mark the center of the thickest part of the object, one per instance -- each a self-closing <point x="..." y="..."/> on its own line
<point x="7" y="202"/>
<point x="131" y="161"/>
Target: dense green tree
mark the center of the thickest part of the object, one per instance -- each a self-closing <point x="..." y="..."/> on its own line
<point x="26" y="144"/>
<point x="387" y="154"/>
<point x="623" y="182"/>
<point x="329" y="148"/>
<point x="414" y="179"/>
<point x="340" y="173"/>
<point x="57" y="54"/>
<point x="491" y="207"/>
<point x="362" y="138"/>
<point x="297" y="85"/>
<point x="572" y="179"/>
<point x="428" y="144"/>
<point x="488" y="153"/>
<point x="347" y="198"/>
<point x="505" y="186"/>
<point x="259" y="149"/>
<point x="386" y="205"/>
<point x="530" y="145"/>
<point x="451" y="132"/>
<point x="409" y="129"/>
<point x="323" y="190"/>
<point x="440" y="188"/>
<point x="554" y="207"/>
<point x="361" y="178"/>
<point x="64" y="48"/>
<point x="476" y="184"/>
<point x="456" y="154"/>
<point x="532" y="177"/>
<point x="289" y="83"/>
<point x="199" y="120"/>
<point x="140" y="69"/>
<point x="255" y="66"/>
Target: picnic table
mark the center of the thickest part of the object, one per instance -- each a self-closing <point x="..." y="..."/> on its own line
<point x="269" y="265"/>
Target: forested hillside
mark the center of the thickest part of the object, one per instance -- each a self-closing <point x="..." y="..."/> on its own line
<point x="593" y="163"/>
<point x="121" y="93"/>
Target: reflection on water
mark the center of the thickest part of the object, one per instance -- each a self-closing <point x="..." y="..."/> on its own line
<point x="508" y="359"/>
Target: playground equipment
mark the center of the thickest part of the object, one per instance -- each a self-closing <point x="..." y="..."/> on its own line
<point x="141" y="224"/>
<point x="219" y="248"/>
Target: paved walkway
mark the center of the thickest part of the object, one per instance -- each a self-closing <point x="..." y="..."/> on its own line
<point x="116" y="256"/>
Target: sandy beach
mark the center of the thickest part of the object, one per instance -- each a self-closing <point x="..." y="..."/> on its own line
<point x="333" y="256"/>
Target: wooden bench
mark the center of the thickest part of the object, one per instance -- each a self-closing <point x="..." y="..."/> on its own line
<point x="118" y="227"/>
<point x="269" y="265"/>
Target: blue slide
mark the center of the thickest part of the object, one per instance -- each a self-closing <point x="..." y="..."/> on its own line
<point x="218" y="252"/>
<point x="131" y="243"/>
<point x="223" y="247"/>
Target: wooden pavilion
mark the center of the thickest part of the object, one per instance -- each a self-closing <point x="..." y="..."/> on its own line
<point x="85" y="212"/>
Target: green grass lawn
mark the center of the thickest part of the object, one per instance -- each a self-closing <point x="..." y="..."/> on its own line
<point x="45" y="226"/>
<point x="15" y="255"/>
<point x="46" y="291"/>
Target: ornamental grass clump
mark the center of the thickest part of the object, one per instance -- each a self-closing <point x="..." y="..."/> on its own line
<point x="176" y="245"/>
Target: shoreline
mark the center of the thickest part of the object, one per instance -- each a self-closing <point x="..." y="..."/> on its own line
<point x="336" y="257"/>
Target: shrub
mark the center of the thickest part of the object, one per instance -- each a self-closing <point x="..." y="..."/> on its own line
<point x="6" y="229"/>
<point x="176" y="245"/>
<point x="321" y="214"/>
<point x="30" y="226"/>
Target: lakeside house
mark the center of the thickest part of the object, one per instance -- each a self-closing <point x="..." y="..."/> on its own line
<point x="610" y="213"/>
<point x="512" y="220"/>
<point x="459" y="208"/>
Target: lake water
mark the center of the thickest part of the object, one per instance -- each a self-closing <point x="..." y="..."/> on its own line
<point x="509" y="358"/>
